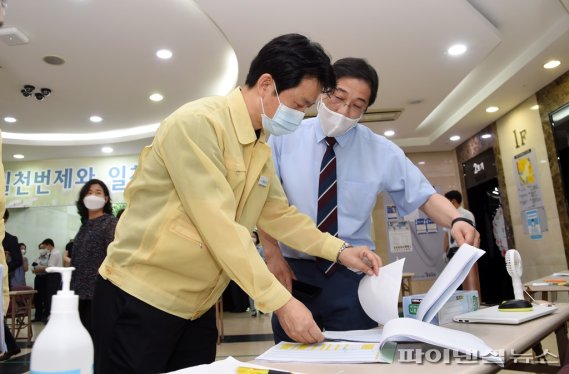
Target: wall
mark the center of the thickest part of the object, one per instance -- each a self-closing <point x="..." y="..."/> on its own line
<point x="543" y="256"/>
<point x="549" y="98"/>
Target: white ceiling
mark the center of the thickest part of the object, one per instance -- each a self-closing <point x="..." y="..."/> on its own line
<point x="111" y="68"/>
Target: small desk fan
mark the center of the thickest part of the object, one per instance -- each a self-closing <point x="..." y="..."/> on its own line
<point x="514" y="267"/>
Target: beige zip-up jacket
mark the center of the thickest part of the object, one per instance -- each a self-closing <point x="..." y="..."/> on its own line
<point x="198" y="192"/>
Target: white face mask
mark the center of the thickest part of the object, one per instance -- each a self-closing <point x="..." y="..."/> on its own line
<point x="334" y="124"/>
<point x="93" y="202"/>
<point x="285" y="120"/>
<point x="43" y="252"/>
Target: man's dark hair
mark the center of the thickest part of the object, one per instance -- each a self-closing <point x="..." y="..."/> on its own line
<point x="290" y="58"/>
<point x="352" y="67"/>
<point x="6" y="215"/>
<point x="454" y="195"/>
<point x="82" y="209"/>
<point x="48" y="241"/>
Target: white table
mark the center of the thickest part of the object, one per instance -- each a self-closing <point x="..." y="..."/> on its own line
<point x="514" y="340"/>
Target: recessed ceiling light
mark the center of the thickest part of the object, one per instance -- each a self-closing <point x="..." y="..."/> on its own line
<point x="107" y="150"/>
<point x="492" y="109"/>
<point x="421" y="162"/>
<point x="486" y="136"/>
<point x="156" y="97"/>
<point x="389" y="133"/>
<point x="456" y="49"/>
<point x="552" y="64"/>
<point x="10" y="119"/>
<point x="18" y="155"/>
<point x="534" y="107"/>
<point x="164" y="54"/>
<point x="454" y="138"/>
<point x="95" y="119"/>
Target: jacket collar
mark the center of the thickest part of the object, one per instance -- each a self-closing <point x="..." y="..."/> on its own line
<point x="241" y="118"/>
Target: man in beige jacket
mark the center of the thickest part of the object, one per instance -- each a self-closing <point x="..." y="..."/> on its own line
<point x="199" y="190"/>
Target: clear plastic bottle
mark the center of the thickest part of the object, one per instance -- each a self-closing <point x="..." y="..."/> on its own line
<point x="64" y="345"/>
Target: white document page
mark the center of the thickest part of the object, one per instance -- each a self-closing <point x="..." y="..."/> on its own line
<point x="405" y="328"/>
<point x="333" y="352"/>
<point x="448" y="281"/>
<point x="229" y="365"/>
<point x="379" y="294"/>
<point x="371" y="336"/>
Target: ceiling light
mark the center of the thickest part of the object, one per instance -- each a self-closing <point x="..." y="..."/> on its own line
<point x="10" y="119"/>
<point x="492" y="109"/>
<point x="164" y="54"/>
<point x="534" y="107"/>
<point x="95" y="119"/>
<point x="389" y="133"/>
<point x="18" y="156"/>
<point x="454" y="138"/>
<point x="132" y="133"/>
<point x="107" y="150"/>
<point x="486" y="136"/>
<point x="421" y="162"/>
<point x="156" y="97"/>
<point x="552" y="64"/>
<point x="456" y="49"/>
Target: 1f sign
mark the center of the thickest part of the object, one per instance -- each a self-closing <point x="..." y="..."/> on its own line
<point x="520" y="138"/>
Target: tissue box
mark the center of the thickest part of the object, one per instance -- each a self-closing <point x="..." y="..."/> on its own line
<point x="460" y="302"/>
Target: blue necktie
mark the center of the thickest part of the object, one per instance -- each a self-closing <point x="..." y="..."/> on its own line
<point x="327" y="219"/>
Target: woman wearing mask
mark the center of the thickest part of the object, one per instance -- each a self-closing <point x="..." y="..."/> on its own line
<point x="19" y="276"/>
<point x="97" y="231"/>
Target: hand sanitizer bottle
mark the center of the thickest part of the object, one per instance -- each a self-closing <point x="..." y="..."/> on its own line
<point x="64" y="345"/>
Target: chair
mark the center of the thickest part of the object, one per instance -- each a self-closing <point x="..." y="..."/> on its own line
<point x="19" y="316"/>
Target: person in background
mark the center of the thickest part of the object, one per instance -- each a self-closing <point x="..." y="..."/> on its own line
<point x="364" y="165"/>
<point x="67" y="253"/>
<point x="97" y="231"/>
<point x="20" y="276"/>
<point x="198" y="192"/>
<point x="4" y="279"/>
<point x="40" y="285"/>
<point x="13" y="253"/>
<point x="472" y="281"/>
<point x="14" y="259"/>
<point x="52" y="280"/>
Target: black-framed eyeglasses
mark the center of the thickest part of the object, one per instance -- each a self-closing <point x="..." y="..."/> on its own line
<point x="356" y="109"/>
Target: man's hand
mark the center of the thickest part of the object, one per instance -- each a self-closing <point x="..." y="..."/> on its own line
<point x="362" y="259"/>
<point x="463" y="232"/>
<point x="297" y="322"/>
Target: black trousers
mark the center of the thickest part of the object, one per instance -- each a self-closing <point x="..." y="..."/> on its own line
<point x="9" y="339"/>
<point x="40" y="284"/>
<point x="131" y="336"/>
<point x="85" y="307"/>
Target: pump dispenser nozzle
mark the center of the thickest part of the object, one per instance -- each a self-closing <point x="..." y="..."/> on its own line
<point x="64" y="345"/>
<point x="65" y="278"/>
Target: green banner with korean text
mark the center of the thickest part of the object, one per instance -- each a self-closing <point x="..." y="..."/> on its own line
<point x="58" y="182"/>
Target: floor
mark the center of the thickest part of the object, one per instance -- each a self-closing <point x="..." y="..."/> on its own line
<point x="245" y="338"/>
